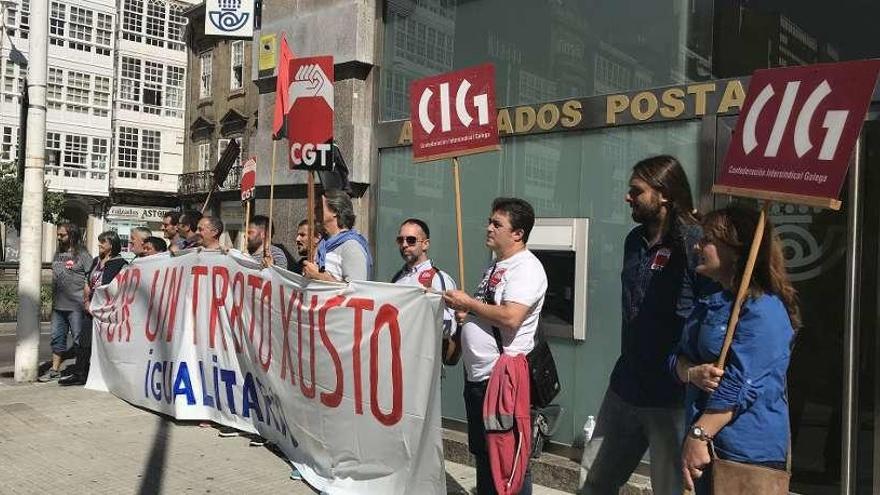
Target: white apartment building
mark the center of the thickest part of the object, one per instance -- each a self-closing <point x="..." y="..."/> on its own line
<point x="115" y="96"/>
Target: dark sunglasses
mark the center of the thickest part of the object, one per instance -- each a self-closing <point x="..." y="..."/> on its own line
<point x="411" y="240"/>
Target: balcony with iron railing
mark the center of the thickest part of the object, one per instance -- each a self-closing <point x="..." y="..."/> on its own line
<point x="195" y="183"/>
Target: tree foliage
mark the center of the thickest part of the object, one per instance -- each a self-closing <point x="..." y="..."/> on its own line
<point x="11" y="190"/>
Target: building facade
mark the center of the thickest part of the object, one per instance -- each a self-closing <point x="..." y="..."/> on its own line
<point x="584" y="91"/>
<point x="221" y="106"/>
<point x="115" y="96"/>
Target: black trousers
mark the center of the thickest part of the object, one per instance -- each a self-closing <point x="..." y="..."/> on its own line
<point x="84" y="349"/>
<point x="474" y="396"/>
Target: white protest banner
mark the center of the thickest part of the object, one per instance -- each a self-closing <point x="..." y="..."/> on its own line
<point x="344" y="378"/>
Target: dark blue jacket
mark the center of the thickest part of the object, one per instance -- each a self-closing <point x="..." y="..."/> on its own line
<point x="659" y="286"/>
<point x="753" y="385"/>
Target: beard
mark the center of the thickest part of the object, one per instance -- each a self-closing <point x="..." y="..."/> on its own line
<point x="408" y="258"/>
<point x="253" y="245"/>
<point x="646" y="213"/>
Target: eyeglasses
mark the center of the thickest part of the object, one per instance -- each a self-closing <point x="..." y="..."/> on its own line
<point x="410" y="240"/>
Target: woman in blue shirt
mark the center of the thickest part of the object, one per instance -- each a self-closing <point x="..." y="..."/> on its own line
<point x="743" y="408"/>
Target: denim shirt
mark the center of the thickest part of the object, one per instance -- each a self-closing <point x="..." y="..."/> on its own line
<point x="753" y="386"/>
<point x="659" y="286"/>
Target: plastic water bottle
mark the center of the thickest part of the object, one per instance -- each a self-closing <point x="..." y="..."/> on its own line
<point x="589" y="427"/>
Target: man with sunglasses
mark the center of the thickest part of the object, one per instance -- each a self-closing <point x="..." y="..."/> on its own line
<point x="414" y="241"/>
<point x="503" y="314"/>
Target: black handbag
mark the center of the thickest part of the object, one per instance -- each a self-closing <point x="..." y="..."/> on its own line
<point x="544" y="380"/>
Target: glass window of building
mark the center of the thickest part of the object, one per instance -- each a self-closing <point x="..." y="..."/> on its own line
<point x="132" y="19"/>
<point x="104" y="34"/>
<point x="175" y="91"/>
<point x="130" y="83"/>
<point x="53" y="152"/>
<point x="24" y="19"/>
<point x="205" y="156"/>
<point x="8" y="143"/>
<point x="100" y="153"/>
<point x="151" y="149"/>
<point x="153" y="79"/>
<point x="156" y="22"/>
<point x="57" y="20"/>
<point x="81" y="28"/>
<point x="206" y="63"/>
<point x="127" y="154"/>
<point x="78" y="89"/>
<point x="76" y="151"/>
<point x="176" y="26"/>
<point x="236" y="69"/>
<point x="101" y="96"/>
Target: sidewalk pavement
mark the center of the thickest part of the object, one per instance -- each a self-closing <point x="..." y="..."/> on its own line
<point x="71" y="440"/>
<point x="8" y="327"/>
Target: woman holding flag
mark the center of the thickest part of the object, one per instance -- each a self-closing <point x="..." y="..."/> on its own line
<point x="742" y="410"/>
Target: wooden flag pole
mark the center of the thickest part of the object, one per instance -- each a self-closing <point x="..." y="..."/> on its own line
<point x="268" y="237"/>
<point x="310" y="215"/>
<point x="457" y="177"/>
<point x="247" y="225"/>
<point x="208" y="199"/>
<point x="744" y="284"/>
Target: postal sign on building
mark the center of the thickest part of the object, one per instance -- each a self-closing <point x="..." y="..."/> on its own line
<point x="796" y="132"/>
<point x="231" y="18"/>
<point x="453" y="114"/>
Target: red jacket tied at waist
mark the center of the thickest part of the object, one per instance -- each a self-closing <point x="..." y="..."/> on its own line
<point x="506" y="417"/>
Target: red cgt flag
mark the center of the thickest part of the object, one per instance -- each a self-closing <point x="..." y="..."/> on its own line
<point x="282" y="82"/>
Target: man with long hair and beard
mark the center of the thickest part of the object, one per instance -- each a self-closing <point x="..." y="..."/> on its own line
<point x="69" y="268"/>
<point x="643" y="406"/>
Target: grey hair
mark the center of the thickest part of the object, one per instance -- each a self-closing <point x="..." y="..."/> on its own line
<point x="340" y="203"/>
<point x="215" y="223"/>
<point x="142" y="230"/>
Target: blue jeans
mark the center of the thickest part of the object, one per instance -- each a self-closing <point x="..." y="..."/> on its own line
<point x="64" y="322"/>
<point x="474" y="396"/>
<point x="623" y="433"/>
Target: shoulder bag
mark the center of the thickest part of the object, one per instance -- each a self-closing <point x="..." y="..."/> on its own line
<point x="543" y="378"/>
<point x="740" y="478"/>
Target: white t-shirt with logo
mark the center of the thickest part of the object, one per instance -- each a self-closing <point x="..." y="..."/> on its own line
<point x="519" y="279"/>
<point x="422" y="275"/>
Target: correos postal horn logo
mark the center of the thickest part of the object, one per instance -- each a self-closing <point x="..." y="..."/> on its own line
<point x="228" y="18"/>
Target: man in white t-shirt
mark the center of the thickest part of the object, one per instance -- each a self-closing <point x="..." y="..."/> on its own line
<point x="414" y="241"/>
<point x="509" y="299"/>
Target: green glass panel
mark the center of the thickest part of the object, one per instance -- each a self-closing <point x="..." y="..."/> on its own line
<point x="578" y="174"/>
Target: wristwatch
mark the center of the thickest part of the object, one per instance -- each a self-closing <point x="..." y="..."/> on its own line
<point x="698" y="433"/>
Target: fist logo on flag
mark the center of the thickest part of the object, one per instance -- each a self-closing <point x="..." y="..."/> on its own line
<point x="310" y="117"/>
<point x="309" y="82"/>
